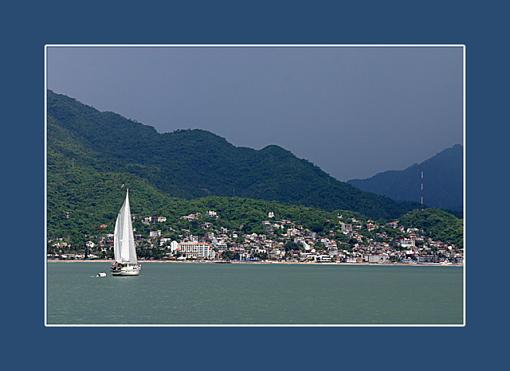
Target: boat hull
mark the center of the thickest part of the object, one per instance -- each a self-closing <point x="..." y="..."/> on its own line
<point x="129" y="270"/>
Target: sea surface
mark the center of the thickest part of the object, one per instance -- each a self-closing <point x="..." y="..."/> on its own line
<point x="173" y="293"/>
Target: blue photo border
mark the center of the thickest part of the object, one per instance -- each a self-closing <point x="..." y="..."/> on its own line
<point x="28" y="27"/>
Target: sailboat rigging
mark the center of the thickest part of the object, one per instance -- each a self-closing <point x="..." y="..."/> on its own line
<point x="126" y="262"/>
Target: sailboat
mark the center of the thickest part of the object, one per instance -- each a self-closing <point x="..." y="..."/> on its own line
<point x="126" y="263"/>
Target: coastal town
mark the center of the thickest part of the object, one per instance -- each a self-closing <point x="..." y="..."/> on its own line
<point x="198" y="237"/>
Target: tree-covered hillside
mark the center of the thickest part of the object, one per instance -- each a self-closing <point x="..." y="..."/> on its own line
<point x="196" y="163"/>
<point x="80" y="200"/>
<point x="438" y="224"/>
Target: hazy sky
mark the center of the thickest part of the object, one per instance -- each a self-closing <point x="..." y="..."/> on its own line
<point x="352" y="111"/>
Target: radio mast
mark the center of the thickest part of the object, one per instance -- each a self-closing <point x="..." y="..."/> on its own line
<point x="421" y="188"/>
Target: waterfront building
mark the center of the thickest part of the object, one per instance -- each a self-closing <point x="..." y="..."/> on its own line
<point x="196" y="250"/>
<point x="427" y="259"/>
<point x="323" y="258"/>
<point x="174" y="246"/>
<point x="377" y="259"/>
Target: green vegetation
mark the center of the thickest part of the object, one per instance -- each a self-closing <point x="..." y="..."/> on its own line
<point x="196" y="163"/>
<point x="80" y="200"/>
<point x="437" y="224"/>
<point x="93" y="157"/>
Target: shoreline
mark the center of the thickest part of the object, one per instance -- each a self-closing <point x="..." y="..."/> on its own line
<point x="261" y="263"/>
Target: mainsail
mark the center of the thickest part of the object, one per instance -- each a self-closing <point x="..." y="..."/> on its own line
<point x="123" y="240"/>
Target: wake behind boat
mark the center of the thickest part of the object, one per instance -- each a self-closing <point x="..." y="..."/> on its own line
<point x="126" y="262"/>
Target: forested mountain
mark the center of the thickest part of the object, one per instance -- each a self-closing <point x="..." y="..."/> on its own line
<point x="188" y="164"/>
<point x="80" y="199"/>
<point x="442" y="181"/>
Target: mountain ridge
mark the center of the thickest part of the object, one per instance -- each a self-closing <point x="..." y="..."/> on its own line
<point x="442" y="181"/>
<point x="195" y="163"/>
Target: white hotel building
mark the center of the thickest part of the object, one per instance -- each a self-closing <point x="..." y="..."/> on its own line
<point x="196" y="250"/>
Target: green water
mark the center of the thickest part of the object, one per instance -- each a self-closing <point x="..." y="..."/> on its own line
<point x="255" y="294"/>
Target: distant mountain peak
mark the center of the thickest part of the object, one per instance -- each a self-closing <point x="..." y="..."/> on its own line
<point x="197" y="133"/>
<point x="442" y="181"/>
<point x="276" y="149"/>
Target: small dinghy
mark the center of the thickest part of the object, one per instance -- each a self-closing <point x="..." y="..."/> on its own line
<point x="101" y="274"/>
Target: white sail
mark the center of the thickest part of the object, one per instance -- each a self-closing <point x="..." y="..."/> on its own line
<point x="123" y="240"/>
